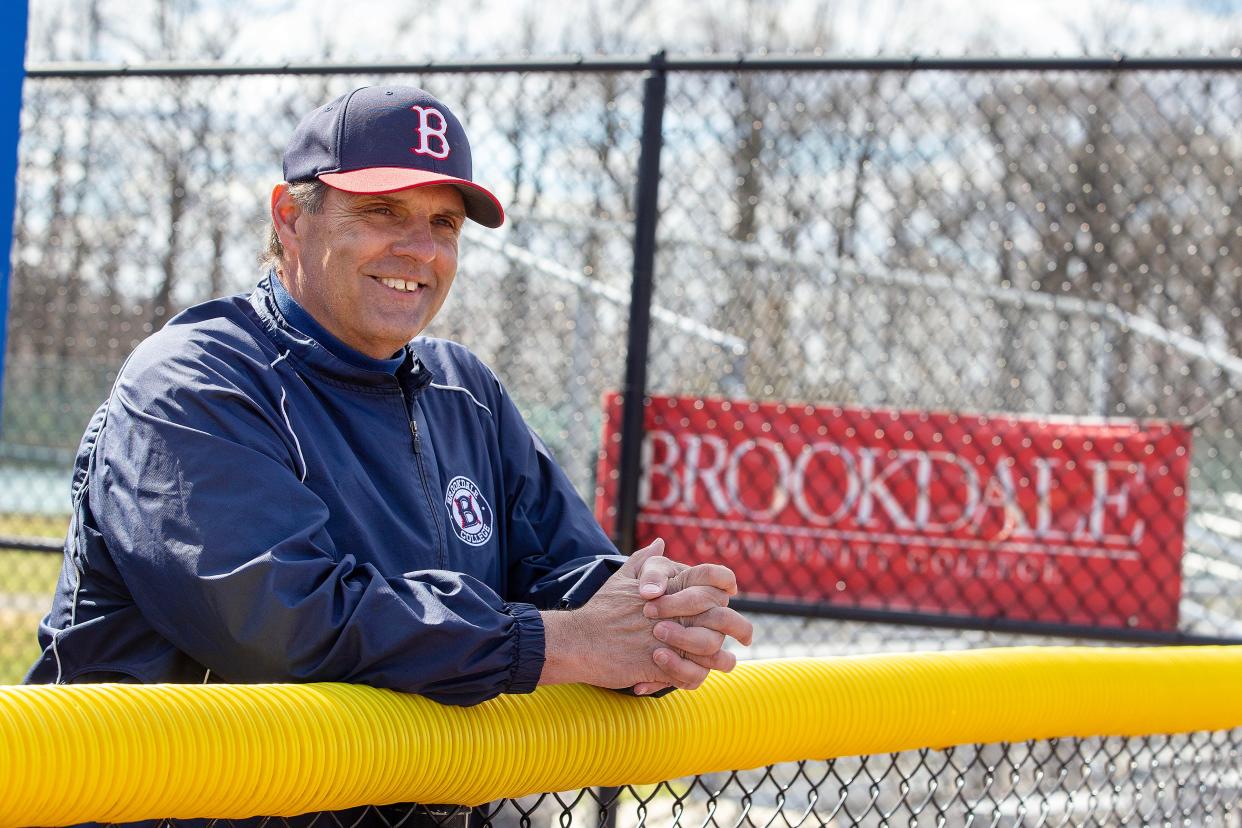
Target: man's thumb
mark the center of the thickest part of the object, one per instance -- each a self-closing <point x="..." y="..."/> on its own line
<point x="635" y="562"/>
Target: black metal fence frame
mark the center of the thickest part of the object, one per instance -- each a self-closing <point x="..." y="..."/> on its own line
<point x="655" y="71"/>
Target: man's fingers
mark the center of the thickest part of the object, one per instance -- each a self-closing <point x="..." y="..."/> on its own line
<point x="691" y="640"/>
<point x="722" y="660"/>
<point x="635" y="562"/>
<point x="689" y="601"/>
<point x="712" y="575"/>
<point x="646" y="688"/>
<point x="681" y="672"/>
<point x="724" y="621"/>
<point x="654" y="575"/>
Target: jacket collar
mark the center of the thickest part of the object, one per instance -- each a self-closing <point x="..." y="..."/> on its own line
<point x="412" y="375"/>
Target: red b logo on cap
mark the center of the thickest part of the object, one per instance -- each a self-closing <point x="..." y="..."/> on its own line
<point x="426" y="132"/>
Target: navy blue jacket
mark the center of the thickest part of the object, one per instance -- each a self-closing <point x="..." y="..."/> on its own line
<point x="249" y="507"/>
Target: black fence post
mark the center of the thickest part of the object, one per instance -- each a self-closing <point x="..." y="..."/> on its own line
<point x="646" y="216"/>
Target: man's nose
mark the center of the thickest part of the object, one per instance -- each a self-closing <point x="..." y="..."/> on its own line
<point x="416" y="240"/>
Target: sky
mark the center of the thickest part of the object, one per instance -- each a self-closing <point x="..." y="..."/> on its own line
<point x="263" y="31"/>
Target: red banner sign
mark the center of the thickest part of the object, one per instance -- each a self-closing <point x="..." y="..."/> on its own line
<point x="1076" y="522"/>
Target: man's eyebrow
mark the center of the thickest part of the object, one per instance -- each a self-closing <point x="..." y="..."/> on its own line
<point x="387" y="198"/>
<point x="373" y="197"/>
<point x="457" y="215"/>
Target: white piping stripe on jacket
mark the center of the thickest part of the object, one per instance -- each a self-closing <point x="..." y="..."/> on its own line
<point x="284" y="411"/>
<point x="465" y="391"/>
<point x="56" y="654"/>
<point x="73" y="613"/>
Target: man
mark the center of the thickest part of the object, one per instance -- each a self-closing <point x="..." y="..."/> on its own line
<point x="284" y="487"/>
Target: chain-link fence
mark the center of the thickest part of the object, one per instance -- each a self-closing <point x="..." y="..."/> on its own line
<point x="884" y="256"/>
<point x="1189" y="779"/>
<point x="931" y="345"/>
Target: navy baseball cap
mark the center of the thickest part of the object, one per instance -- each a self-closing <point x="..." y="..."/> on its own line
<point x="380" y="139"/>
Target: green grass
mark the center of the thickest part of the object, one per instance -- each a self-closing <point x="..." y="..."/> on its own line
<point x="18" y="646"/>
<point x="27" y="572"/>
<point x="33" y="526"/>
<point x="26" y="583"/>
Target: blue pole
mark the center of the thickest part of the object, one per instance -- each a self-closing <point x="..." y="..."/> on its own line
<point x="12" y="71"/>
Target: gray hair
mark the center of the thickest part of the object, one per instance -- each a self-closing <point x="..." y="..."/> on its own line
<point x="308" y="195"/>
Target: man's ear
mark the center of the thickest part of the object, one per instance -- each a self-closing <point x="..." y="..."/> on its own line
<point x="285" y="215"/>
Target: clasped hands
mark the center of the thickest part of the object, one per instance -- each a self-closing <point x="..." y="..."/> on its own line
<point x="655" y="623"/>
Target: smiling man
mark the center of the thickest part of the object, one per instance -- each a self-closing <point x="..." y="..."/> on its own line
<point x="291" y="485"/>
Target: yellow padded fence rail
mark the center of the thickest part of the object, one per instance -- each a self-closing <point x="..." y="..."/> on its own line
<point x="124" y="752"/>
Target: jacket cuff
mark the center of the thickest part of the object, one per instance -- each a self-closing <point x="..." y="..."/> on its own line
<point x="528" y="654"/>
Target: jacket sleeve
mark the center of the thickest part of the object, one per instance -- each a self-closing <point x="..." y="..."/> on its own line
<point x="558" y="554"/>
<point x="197" y="491"/>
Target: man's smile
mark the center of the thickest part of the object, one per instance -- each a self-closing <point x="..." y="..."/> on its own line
<point x="402" y="285"/>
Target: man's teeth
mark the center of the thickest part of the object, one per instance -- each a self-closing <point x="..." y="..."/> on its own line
<point x="400" y="284"/>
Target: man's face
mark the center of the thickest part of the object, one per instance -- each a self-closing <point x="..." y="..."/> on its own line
<point x="372" y="269"/>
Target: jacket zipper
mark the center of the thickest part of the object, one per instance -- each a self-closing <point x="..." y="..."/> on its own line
<point x="441" y="552"/>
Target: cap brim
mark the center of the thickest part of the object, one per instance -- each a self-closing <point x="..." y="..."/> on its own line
<point x="481" y="205"/>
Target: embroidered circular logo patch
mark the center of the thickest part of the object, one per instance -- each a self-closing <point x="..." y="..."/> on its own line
<point x="468" y="511"/>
